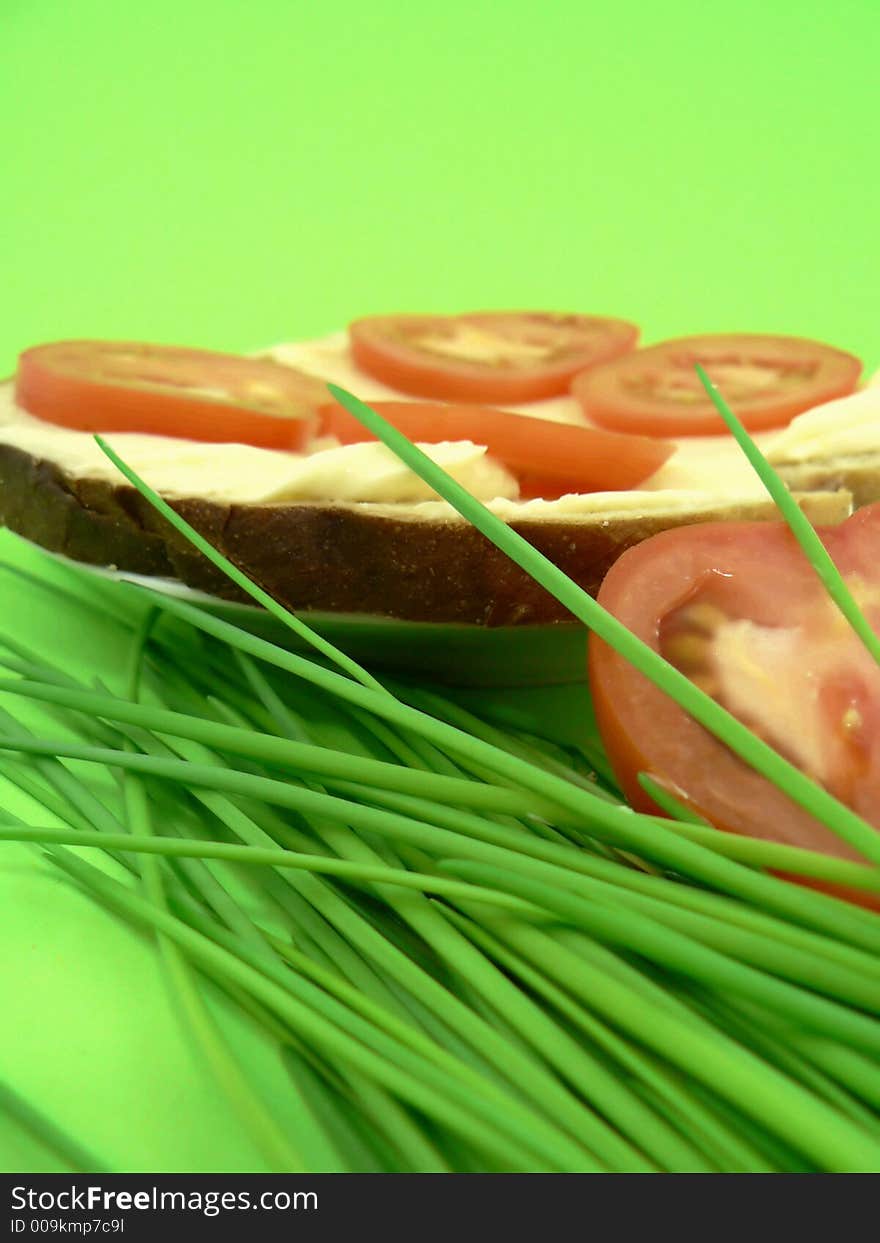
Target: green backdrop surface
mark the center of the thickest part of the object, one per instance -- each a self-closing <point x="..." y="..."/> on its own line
<point x="228" y="174"/>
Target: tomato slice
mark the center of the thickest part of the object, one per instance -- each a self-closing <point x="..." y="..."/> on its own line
<point x="121" y="386"/>
<point x="738" y="609"/>
<point x="506" y="357"/>
<point x="768" y="380"/>
<point x="548" y="459"/>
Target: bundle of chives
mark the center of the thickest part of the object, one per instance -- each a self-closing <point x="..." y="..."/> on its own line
<point x="436" y="921"/>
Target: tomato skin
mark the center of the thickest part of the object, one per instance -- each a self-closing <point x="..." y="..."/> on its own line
<point x="656" y="391"/>
<point x="387" y="347"/>
<point x="758" y="573"/>
<point x="119" y="386"/>
<point x="548" y="459"/>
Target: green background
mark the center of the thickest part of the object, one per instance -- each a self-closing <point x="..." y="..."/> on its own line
<point x="229" y="174"/>
<point x="224" y="173"/>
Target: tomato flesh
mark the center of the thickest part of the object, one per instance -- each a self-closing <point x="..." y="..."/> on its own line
<point x="739" y="610"/>
<point x="497" y="357"/>
<point x="768" y="380"/>
<point x="808" y="689"/>
<point x="119" y="386"/>
<point x="548" y="459"/>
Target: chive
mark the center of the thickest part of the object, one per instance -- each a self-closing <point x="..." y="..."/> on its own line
<point x="322" y="898"/>
<point x="182" y="848"/>
<point x="612" y="1095"/>
<point x="520" y="1015"/>
<point x="484" y="1037"/>
<point x="435" y="1094"/>
<point x="403" y="1029"/>
<point x="785" y="1047"/>
<point x="268" y="749"/>
<point x="767" y="927"/>
<point x="455" y="714"/>
<point x="477" y="837"/>
<point x="571" y="869"/>
<point x="308" y="1129"/>
<point x="708" y="1056"/>
<point x="784" y="858"/>
<point x="856" y="1072"/>
<point x="814" y="962"/>
<point x="368" y="818"/>
<point x="349" y="1149"/>
<point x="276" y="1148"/>
<point x="670" y="949"/>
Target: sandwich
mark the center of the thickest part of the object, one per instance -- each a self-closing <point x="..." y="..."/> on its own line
<point x="519" y="407"/>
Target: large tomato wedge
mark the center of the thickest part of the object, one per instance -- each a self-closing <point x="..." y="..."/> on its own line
<point x="768" y="380"/>
<point x="737" y="608"/>
<point x="121" y="386"/>
<point x="548" y="459"/>
<point x="502" y="357"/>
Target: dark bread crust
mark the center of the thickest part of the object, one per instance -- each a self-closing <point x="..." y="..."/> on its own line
<point x="328" y="557"/>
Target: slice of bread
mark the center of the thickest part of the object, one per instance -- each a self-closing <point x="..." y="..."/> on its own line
<point x="411" y="562"/>
<point x="857" y="473"/>
<point x="836" y="445"/>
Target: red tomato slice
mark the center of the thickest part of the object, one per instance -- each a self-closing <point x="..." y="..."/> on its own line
<point x="505" y="357"/>
<point x="549" y="459"/>
<point x="120" y="386"/>
<point x="768" y="380"/>
<point x="738" y="609"/>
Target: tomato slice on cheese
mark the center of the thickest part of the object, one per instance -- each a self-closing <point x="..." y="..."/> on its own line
<point x="548" y="459"/>
<point x="121" y="386"/>
<point x="503" y="357"/>
<point x="737" y="608"/>
<point x="656" y="391"/>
